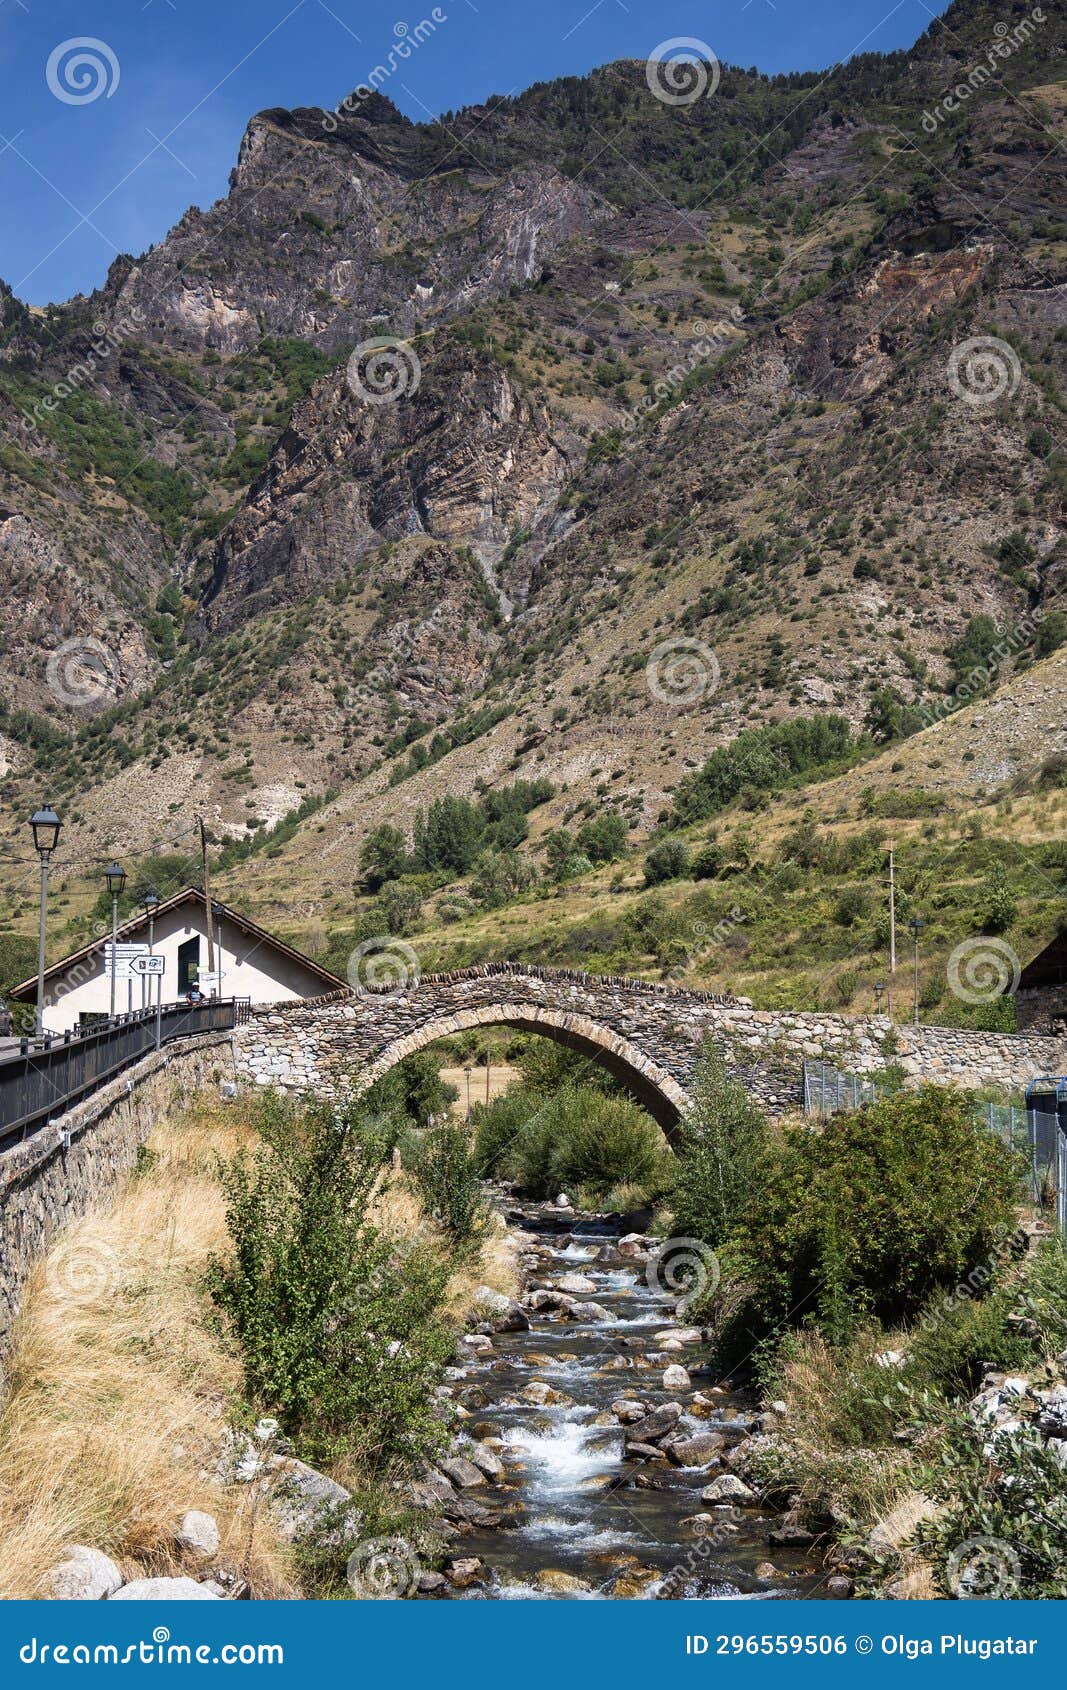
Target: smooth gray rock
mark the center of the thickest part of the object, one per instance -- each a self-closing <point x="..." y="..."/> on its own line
<point x="199" y="1534"/>
<point x="655" y="1425"/>
<point x="87" y="1575"/>
<point x="727" y="1488"/>
<point x="166" y="1590"/>
<point x="302" y="1500"/>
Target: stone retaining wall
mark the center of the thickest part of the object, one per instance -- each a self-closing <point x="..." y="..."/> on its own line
<point x="649" y="1035"/>
<point x="59" y="1173"/>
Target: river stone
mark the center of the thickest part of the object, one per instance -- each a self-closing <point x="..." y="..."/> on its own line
<point x="675" y="1378"/>
<point x="681" y="1334"/>
<point x="165" y="1590"/>
<point x="655" y="1425"/>
<point x="464" y="1572"/>
<point x="791" y="1532"/>
<point x="589" y="1311"/>
<point x="502" y="1314"/>
<point x="87" y="1575"/>
<point x="542" y="1395"/>
<point x="727" y="1488"/>
<point x="559" y="1582"/>
<point x="198" y="1533"/>
<point x="669" y="1344"/>
<point x="563" y="1201"/>
<point x="487" y="1461"/>
<point x="696" y="1451"/>
<point x="767" y="1570"/>
<point x="460" y="1471"/>
<point x="477" y="1343"/>
<point x="632" y="1244"/>
<point x="644" y="1452"/>
<point x="703" y="1525"/>
<point x="628" y="1410"/>
<point x="575" y="1284"/>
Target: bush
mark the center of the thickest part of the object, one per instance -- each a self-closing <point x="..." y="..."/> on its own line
<point x="446" y="1172"/>
<point x="764" y="759"/>
<point x="339" y="1329"/>
<point x="668" y="860"/>
<point x="577" y="1138"/>
<point x="869" y="1217"/>
<point x="720" y="1140"/>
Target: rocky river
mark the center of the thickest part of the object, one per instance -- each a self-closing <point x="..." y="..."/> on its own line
<point x="597" y="1454"/>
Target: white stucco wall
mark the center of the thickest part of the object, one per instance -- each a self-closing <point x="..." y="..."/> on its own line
<point x="251" y="968"/>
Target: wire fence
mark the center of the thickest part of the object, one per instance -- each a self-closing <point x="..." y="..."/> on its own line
<point x="1036" y="1135"/>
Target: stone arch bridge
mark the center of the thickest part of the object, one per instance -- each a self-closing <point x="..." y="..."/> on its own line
<point x="648" y="1035"/>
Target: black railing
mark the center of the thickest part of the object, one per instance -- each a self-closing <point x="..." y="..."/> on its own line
<point x="46" y="1076"/>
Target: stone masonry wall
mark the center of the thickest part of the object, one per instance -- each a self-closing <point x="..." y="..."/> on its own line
<point x="654" y="1031"/>
<point x="59" y="1173"/>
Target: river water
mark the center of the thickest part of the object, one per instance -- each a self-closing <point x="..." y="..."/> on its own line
<point x="573" y="1514"/>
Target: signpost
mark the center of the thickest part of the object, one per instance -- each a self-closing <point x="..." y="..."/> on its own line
<point x="146" y="966"/>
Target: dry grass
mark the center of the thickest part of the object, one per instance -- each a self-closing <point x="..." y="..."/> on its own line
<point x="122" y="1386"/>
<point x="119" y="1391"/>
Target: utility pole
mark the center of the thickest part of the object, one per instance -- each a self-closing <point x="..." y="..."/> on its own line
<point x="488" y="1066"/>
<point x="207" y="901"/>
<point x="892" y="930"/>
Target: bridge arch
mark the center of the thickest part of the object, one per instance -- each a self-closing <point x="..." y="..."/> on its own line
<point x="652" y="1086"/>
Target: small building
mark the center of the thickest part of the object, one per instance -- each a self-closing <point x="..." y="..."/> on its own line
<point x="1041" y="995"/>
<point x="253" y="964"/>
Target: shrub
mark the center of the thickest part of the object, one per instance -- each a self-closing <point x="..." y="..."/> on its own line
<point x="339" y="1330"/>
<point x="868" y="1217"/>
<point x="446" y="1172"/>
<point x="720" y="1140"/>
<point x="668" y="860"/>
<point x="576" y="1138"/>
<point x="762" y="758"/>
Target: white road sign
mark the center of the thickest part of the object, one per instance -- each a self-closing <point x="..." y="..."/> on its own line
<point x="119" y="961"/>
<point x="210" y="981"/>
<point x="149" y="965"/>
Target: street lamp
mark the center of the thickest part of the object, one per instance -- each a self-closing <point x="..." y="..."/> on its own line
<point x="468" y="1074"/>
<point x="916" y="926"/>
<point x="150" y="904"/>
<point x="46" y="825"/>
<point x="115" y="877"/>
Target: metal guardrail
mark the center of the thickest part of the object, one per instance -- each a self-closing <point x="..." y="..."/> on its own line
<point x="46" y="1076"/>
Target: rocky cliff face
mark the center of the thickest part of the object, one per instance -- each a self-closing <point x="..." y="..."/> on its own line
<point x="630" y="380"/>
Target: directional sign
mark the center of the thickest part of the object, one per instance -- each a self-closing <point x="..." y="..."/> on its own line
<point x="210" y="980"/>
<point x="149" y="965"/>
<point x="119" y="960"/>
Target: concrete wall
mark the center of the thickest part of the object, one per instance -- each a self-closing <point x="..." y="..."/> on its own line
<point x="251" y="969"/>
<point x="75" y="1162"/>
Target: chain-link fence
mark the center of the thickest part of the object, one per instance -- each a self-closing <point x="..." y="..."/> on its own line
<point x="1034" y="1134"/>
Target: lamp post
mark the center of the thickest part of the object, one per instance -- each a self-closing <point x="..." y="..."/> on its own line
<point x="468" y="1074"/>
<point x="916" y="926"/>
<point x="150" y="904"/>
<point x="878" y="990"/>
<point x="115" y="878"/>
<point x="46" y="825"/>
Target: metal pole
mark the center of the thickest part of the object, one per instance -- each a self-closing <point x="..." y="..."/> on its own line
<point x="915" y="1015"/>
<point x="114" y="943"/>
<point x="892" y="928"/>
<point x="40" y="945"/>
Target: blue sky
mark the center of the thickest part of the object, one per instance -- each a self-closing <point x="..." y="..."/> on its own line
<point x="85" y="178"/>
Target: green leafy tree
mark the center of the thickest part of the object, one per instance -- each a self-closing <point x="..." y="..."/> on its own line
<point x="340" y="1330"/>
<point x="669" y="860"/>
<point x="383" y="857"/>
<point x="721" y="1138"/>
<point x="603" y="839"/>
